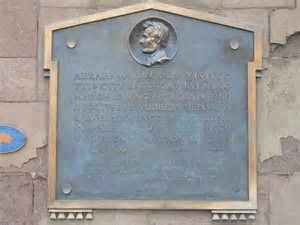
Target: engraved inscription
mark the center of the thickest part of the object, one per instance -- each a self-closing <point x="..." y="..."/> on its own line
<point x="167" y="113"/>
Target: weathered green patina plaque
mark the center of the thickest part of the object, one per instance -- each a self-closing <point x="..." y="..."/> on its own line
<point x="152" y="107"/>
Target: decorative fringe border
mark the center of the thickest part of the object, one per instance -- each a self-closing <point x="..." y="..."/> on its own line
<point x="64" y="214"/>
<point x="217" y="215"/>
<point x="228" y="215"/>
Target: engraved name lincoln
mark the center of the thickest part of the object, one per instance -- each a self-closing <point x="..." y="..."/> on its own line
<point x="154" y="42"/>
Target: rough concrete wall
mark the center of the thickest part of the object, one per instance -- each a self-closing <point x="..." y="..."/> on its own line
<point x="24" y="104"/>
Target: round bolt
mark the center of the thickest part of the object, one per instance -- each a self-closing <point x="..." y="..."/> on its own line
<point x="234" y="44"/>
<point x="67" y="189"/>
<point x="71" y="43"/>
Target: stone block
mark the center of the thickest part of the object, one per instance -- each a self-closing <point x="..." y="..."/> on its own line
<point x="278" y="104"/>
<point x="16" y="192"/>
<point x="116" y="3"/>
<point x="40" y="199"/>
<point x="65" y="3"/>
<point x="36" y="167"/>
<point x="131" y="217"/>
<point x="19" y="77"/>
<point x="32" y="119"/>
<point x="18" y="28"/>
<point x="258" y="3"/>
<point x="195" y="4"/>
<point x="180" y="217"/>
<point x="47" y="16"/>
<point x="258" y="17"/>
<point x="284" y="23"/>
<point x="262" y="216"/>
<point x="51" y="15"/>
<point x="284" y="200"/>
<point x="105" y="217"/>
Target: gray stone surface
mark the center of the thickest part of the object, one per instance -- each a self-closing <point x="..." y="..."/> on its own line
<point x="284" y="23"/>
<point x="116" y="3"/>
<point x="31" y="118"/>
<point x="18" y="28"/>
<point x="65" y="3"/>
<point x="290" y="50"/>
<point x="16" y="199"/>
<point x="258" y="3"/>
<point x="35" y="166"/>
<point x="39" y="200"/>
<point x="263" y="196"/>
<point x="289" y="162"/>
<point x="126" y="217"/>
<point x="19" y="77"/>
<point x="175" y="218"/>
<point x="195" y="4"/>
<point x="284" y="200"/>
<point x="278" y="104"/>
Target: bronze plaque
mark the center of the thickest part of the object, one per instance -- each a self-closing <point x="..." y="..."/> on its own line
<point x="152" y="107"/>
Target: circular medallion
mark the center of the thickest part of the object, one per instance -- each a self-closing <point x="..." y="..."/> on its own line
<point x="11" y="139"/>
<point x="153" y="42"/>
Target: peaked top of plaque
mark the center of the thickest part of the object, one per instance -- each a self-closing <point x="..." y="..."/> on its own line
<point x="139" y="8"/>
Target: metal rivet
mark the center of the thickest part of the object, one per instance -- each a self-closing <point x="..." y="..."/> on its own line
<point x="236" y="189"/>
<point x="67" y="189"/>
<point x="234" y="44"/>
<point x="71" y="43"/>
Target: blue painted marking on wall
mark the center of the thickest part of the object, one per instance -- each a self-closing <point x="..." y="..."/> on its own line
<point x="11" y="139"/>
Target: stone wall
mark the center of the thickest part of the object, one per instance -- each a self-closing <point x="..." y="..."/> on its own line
<point x="24" y="104"/>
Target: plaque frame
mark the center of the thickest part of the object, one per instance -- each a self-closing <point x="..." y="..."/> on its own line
<point x="249" y="206"/>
